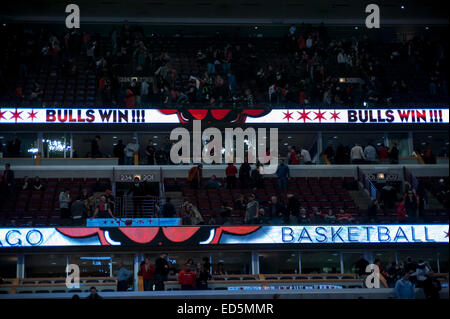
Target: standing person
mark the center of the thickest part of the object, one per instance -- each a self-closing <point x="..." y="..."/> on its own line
<point x="283" y="174"/>
<point x="231" y="172"/>
<point x="360" y="266"/>
<point x="119" y="151"/>
<point x="78" y="211"/>
<point x="252" y="210"/>
<point x="195" y="175"/>
<point x="203" y="274"/>
<point x="137" y="191"/>
<point x="393" y="154"/>
<point x="161" y="271"/>
<point x="357" y="154"/>
<point x="150" y="152"/>
<point x="383" y="153"/>
<point x="64" y="202"/>
<point x="293" y="156"/>
<point x="131" y="149"/>
<point x="187" y="277"/>
<point x="411" y="205"/>
<point x="95" y="147"/>
<point x="404" y="288"/>
<point x="292" y="207"/>
<point x="8" y="180"/>
<point x="372" y="211"/>
<point x="122" y="277"/>
<point x="370" y="154"/>
<point x="244" y="174"/>
<point x="304" y="154"/>
<point x="401" y="212"/>
<point x="147" y="271"/>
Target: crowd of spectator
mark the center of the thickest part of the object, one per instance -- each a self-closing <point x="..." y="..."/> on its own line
<point x="304" y="68"/>
<point x="404" y="277"/>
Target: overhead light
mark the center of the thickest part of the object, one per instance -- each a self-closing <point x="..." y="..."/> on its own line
<point x="289" y="136"/>
<point x="286" y="144"/>
<point x="155" y="136"/>
<point x="114" y="136"/>
<point x="426" y="28"/>
<point x="356" y="28"/>
<point x="402" y="7"/>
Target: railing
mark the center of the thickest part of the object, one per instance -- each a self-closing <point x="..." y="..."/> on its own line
<point x="367" y="184"/>
<point x="136" y="206"/>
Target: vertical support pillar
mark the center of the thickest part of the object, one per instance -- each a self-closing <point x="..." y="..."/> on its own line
<point x="386" y="140"/>
<point x="71" y="145"/>
<point x="299" y="262"/>
<point x="40" y="144"/>
<point x="20" y="269"/>
<point x="341" y="257"/>
<point x="136" y="270"/>
<point x="255" y="263"/>
<point x="410" y="143"/>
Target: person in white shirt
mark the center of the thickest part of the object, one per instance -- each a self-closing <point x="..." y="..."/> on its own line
<point x="130" y="150"/>
<point x="305" y="156"/>
<point x="357" y="154"/>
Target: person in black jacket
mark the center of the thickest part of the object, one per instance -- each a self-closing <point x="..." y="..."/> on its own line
<point x="94" y="295"/>
<point x="360" y="266"/>
<point x="137" y="189"/>
<point x="95" y="147"/>
<point x="8" y="180"/>
<point x="293" y="206"/>
<point x="119" y="151"/>
<point x="168" y="210"/>
<point x="162" y="267"/>
<point x="244" y="174"/>
<point x="372" y="211"/>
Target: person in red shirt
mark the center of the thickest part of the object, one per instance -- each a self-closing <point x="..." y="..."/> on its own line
<point x="187" y="277"/>
<point x="344" y="217"/>
<point x="383" y="154"/>
<point x="231" y="172"/>
<point x="293" y="157"/>
<point x="129" y="99"/>
<point x="147" y="272"/>
<point x="401" y="212"/>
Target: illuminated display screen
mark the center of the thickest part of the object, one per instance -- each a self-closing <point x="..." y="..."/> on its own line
<point x="167" y="116"/>
<point x="141" y="222"/>
<point x="223" y="235"/>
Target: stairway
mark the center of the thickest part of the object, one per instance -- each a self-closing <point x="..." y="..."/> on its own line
<point x="361" y="199"/>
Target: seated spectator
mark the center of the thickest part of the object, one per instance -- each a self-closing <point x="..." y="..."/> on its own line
<point x="110" y="199"/>
<point x="94" y="295"/>
<point x="168" y="210"/>
<point x="303" y="217"/>
<point x="263" y="217"/>
<point x="316" y="216"/>
<point x="404" y="288"/>
<point x="26" y="184"/>
<point x="212" y="183"/>
<point x="103" y="209"/>
<point x="329" y="217"/>
<point x="394" y="154"/>
<point x="191" y="215"/>
<point x="239" y="203"/>
<point x="276" y="212"/>
<point x="37" y="184"/>
<point x="225" y="214"/>
<point x="344" y="217"/>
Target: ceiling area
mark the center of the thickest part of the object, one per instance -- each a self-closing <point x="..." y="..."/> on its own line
<point x="229" y="11"/>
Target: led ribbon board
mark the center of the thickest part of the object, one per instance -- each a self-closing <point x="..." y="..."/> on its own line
<point x="276" y="116"/>
<point x="223" y="235"/>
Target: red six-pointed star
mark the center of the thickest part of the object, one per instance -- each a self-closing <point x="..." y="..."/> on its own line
<point x="319" y="115"/>
<point x="303" y="116"/>
<point x="16" y="115"/>
<point x="2" y="115"/>
<point x="335" y="116"/>
<point x="288" y="115"/>
<point x="32" y="115"/>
